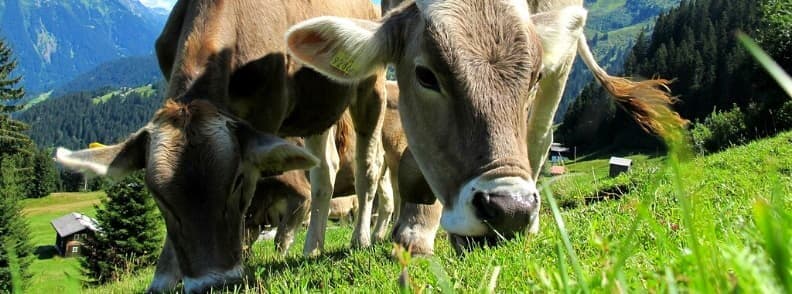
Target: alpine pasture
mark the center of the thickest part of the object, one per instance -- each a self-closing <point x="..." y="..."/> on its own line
<point x="675" y="223"/>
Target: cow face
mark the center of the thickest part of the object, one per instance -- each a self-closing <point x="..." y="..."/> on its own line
<point x="202" y="167"/>
<point x="468" y="72"/>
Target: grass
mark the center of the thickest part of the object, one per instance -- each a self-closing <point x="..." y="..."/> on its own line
<point x="52" y="273"/>
<point x="144" y="91"/>
<point x="719" y="223"/>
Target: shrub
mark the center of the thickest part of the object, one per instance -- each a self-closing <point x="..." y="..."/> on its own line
<point x="130" y="235"/>
<point x="720" y="130"/>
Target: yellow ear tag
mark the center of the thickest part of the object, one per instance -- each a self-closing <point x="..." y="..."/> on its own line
<point x="344" y="62"/>
<point x="95" y="145"/>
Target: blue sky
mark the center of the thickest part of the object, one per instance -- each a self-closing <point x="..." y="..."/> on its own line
<point x="168" y="4"/>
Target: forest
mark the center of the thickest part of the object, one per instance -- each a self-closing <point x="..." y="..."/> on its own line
<point x="725" y="95"/>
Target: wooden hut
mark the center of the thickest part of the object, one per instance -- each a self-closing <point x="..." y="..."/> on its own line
<point x="71" y="231"/>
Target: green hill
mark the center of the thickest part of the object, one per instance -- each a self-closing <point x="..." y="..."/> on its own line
<point x="106" y="115"/>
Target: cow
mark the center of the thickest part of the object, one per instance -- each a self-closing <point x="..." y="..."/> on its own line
<point x="232" y="92"/>
<point x="479" y="82"/>
<point x="282" y="201"/>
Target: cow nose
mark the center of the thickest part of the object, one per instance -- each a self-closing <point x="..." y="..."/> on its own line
<point x="505" y="212"/>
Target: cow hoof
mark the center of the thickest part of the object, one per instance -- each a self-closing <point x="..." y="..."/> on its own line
<point x="163" y="283"/>
<point x="213" y="280"/>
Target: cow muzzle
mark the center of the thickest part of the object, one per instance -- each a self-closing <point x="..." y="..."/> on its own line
<point x="495" y="208"/>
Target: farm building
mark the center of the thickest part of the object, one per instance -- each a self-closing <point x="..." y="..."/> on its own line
<point x="557" y="152"/>
<point x="619" y="165"/>
<point x="71" y="230"/>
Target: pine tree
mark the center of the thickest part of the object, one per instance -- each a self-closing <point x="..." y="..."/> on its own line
<point x="45" y="176"/>
<point x="15" y="250"/>
<point x="9" y="91"/>
<point x="130" y="231"/>
<point x="12" y="138"/>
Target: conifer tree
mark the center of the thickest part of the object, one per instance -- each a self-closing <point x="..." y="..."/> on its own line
<point x="130" y="231"/>
<point x="45" y="176"/>
<point x="12" y="138"/>
<point x="15" y="250"/>
<point x="9" y="90"/>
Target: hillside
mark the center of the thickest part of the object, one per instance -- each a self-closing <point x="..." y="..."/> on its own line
<point x="52" y="273"/>
<point x="611" y="29"/>
<point x="695" y="45"/>
<point x="124" y="72"/>
<point x="56" y="40"/>
<point x="107" y="115"/>
<point x="696" y="226"/>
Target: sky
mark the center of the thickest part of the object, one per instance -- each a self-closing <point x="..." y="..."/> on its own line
<point x="168" y="4"/>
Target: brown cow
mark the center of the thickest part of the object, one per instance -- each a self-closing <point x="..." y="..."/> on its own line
<point x="282" y="201"/>
<point x="229" y="78"/>
<point x="475" y="107"/>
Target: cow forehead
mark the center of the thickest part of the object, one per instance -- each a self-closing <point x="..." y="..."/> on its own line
<point x="488" y="41"/>
<point x="206" y="142"/>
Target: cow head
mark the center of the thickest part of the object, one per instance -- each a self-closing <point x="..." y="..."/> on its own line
<point x="468" y="72"/>
<point x="202" y="167"/>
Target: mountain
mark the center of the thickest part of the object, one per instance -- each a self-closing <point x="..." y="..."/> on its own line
<point x="56" y="40"/>
<point x="123" y="72"/>
<point x="611" y="29"/>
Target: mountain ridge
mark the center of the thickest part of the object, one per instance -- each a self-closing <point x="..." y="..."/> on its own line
<point x="56" y="40"/>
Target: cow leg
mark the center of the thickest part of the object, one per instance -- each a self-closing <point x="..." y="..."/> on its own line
<point x="417" y="227"/>
<point x="368" y="114"/>
<point x="167" y="275"/>
<point x="297" y="207"/>
<point x="322" y="180"/>
<point x="540" y="121"/>
<point x="384" y="208"/>
<point x="419" y="216"/>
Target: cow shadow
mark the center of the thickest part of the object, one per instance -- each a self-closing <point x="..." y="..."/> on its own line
<point x="45" y="252"/>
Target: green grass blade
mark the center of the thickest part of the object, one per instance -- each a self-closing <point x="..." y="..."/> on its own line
<point x="443" y="281"/>
<point x="671" y="281"/>
<point x="565" y="238"/>
<point x="771" y="223"/>
<point x="783" y="79"/>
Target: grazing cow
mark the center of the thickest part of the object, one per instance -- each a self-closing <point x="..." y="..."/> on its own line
<point x="480" y="81"/>
<point x="282" y="201"/>
<point x="229" y="79"/>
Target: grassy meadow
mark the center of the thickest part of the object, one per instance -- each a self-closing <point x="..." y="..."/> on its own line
<point x="719" y="223"/>
<point x="52" y="273"/>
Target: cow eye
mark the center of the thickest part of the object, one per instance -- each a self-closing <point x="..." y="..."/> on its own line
<point x="426" y="78"/>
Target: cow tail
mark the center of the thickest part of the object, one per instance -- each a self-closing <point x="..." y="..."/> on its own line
<point x="648" y="102"/>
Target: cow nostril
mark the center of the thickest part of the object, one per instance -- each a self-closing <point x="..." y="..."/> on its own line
<point x="481" y="202"/>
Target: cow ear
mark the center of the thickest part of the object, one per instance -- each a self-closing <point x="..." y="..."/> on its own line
<point x="559" y="32"/>
<point x="114" y="161"/>
<point x="346" y="50"/>
<point x="271" y="155"/>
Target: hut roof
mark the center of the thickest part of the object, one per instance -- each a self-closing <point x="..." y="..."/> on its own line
<point x="620" y="161"/>
<point x="73" y="223"/>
